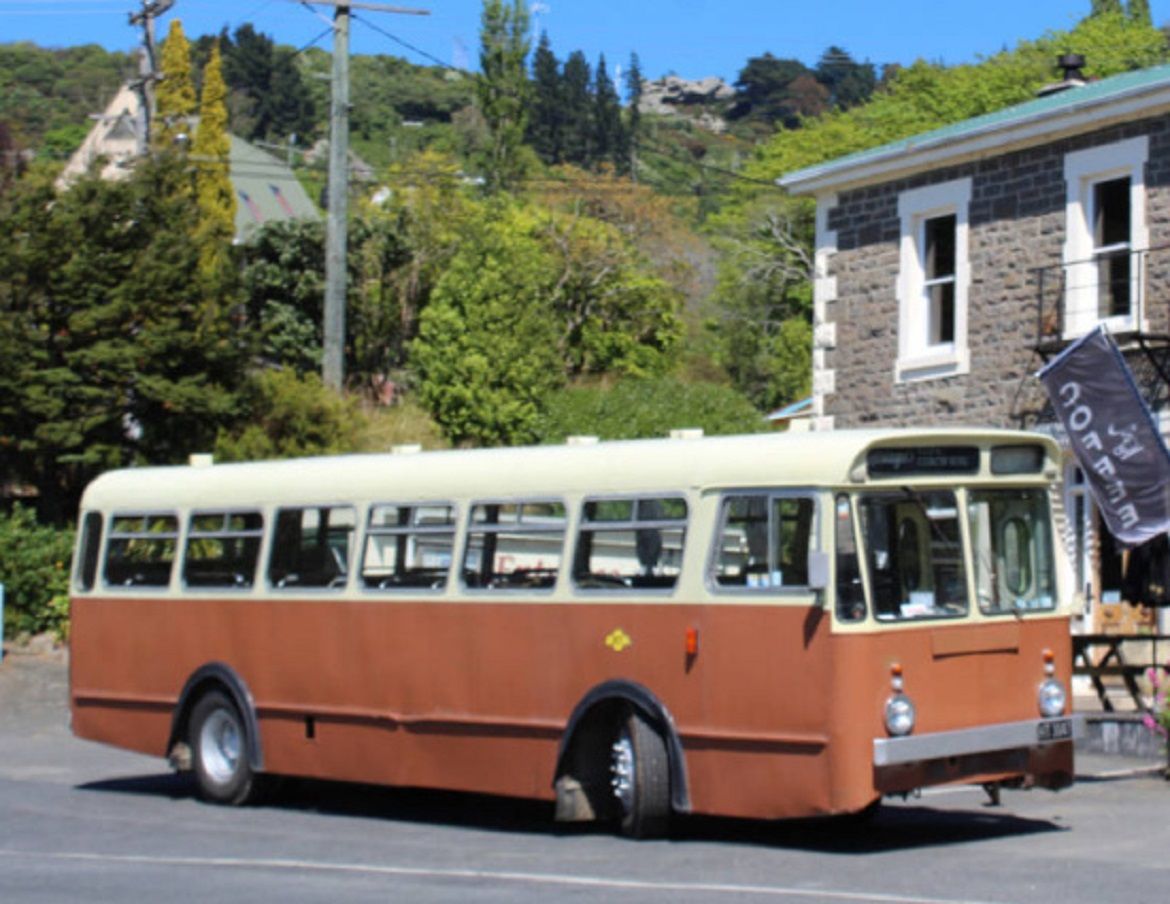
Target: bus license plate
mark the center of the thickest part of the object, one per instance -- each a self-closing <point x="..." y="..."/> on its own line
<point x="1054" y="730"/>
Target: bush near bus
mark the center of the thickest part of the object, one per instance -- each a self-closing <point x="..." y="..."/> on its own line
<point x="34" y="569"/>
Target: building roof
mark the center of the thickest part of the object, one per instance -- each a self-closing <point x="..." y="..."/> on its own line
<point x="1128" y="96"/>
<point x="267" y="189"/>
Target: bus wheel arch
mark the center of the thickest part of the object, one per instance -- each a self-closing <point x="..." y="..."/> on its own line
<point x="616" y="731"/>
<point x="214" y="677"/>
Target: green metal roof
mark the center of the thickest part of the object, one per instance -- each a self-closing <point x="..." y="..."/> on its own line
<point x="1069" y="101"/>
<point x="266" y="189"/>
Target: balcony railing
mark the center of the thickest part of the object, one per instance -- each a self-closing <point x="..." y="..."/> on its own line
<point x="1116" y="286"/>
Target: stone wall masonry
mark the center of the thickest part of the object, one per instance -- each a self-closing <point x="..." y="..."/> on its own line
<point x="1017" y="224"/>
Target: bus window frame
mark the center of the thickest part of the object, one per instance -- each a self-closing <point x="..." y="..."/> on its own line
<point x="815" y="540"/>
<point x="634" y="523"/>
<point x="269" y="546"/>
<point x="189" y="533"/>
<point x="470" y="526"/>
<point x="405" y="530"/>
<point x="111" y="535"/>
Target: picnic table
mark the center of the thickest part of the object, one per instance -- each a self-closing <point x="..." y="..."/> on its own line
<point x="1126" y="656"/>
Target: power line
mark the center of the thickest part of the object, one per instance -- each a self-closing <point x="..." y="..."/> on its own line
<point x="397" y="40"/>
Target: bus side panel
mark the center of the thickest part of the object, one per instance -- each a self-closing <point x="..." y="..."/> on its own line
<point x="473" y="696"/>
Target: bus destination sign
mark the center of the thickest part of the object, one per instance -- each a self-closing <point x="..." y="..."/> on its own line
<point x="922" y="460"/>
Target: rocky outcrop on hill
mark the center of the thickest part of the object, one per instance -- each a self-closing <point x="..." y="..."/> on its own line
<point x="673" y="96"/>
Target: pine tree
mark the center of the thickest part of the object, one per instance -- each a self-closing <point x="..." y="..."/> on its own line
<point x="502" y="86"/>
<point x="608" y="131"/>
<point x="175" y="95"/>
<point x="577" y="109"/>
<point x="213" y="185"/>
<point x="634" y="115"/>
<point x="546" y="123"/>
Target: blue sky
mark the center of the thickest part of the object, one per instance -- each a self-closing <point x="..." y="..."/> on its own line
<point x="693" y="38"/>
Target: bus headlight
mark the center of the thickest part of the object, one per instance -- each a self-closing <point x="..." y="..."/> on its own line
<point x="1052" y="698"/>
<point x="899" y="715"/>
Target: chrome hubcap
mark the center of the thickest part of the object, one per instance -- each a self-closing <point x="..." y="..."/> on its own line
<point x="219" y="746"/>
<point x="621" y="771"/>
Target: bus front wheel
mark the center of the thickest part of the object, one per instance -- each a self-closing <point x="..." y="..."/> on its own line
<point x="221" y="751"/>
<point x="640" y="778"/>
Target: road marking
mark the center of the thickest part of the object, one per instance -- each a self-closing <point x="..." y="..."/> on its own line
<point x="503" y="876"/>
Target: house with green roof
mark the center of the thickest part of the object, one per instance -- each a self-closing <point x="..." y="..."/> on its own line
<point x="951" y="265"/>
<point x="267" y="190"/>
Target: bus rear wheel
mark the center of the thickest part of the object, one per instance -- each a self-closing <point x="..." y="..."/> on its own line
<point x="221" y="751"/>
<point x="640" y="778"/>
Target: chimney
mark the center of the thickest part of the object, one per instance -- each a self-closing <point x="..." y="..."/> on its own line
<point x="1071" y="64"/>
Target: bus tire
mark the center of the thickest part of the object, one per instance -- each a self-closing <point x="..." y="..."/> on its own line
<point x="640" y="778"/>
<point x="220" y="751"/>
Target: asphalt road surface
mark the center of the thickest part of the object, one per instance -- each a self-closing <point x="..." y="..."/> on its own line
<point x="81" y="822"/>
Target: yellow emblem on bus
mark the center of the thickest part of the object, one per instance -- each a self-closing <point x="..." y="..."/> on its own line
<point x="617" y="640"/>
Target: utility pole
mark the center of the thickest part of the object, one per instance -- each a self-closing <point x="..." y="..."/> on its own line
<point x="333" y="356"/>
<point x="147" y="69"/>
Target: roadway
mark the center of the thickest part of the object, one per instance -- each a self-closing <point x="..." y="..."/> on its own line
<point x="81" y="822"/>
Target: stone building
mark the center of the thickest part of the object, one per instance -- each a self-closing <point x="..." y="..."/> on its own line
<point x="951" y="265"/>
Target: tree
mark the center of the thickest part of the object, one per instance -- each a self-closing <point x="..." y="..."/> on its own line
<point x="502" y="87"/>
<point x="634" y="115"/>
<point x="175" y="94"/>
<point x="763" y="328"/>
<point x="283" y="278"/>
<point x="849" y="83"/>
<point x="1139" y="12"/>
<point x="764" y="91"/>
<point x="211" y="152"/>
<point x="546" y="123"/>
<point x="289" y="415"/>
<point x="107" y="354"/>
<point x="1106" y="7"/>
<point x="578" y="108"/>
<point x="486" y="353"/>
<point x="609" y="141"/>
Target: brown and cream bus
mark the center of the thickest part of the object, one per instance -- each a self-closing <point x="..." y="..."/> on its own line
<point x="761" y="626"/>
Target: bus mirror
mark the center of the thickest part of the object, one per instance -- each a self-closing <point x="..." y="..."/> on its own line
<point x="818" y="569"/>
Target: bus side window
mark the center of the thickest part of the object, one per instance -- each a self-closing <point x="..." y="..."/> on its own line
<point x="312" y="547"/>
<point x="514" y="545"/>
<point x="764" y="541"/>
<point x="630" y="543"/>
<point x="408" y="546"/>
<point x="222" y="549"/>
<point x="89" y="551"/>
<point x="141" y="550"/>
<point x="850" y="592"/>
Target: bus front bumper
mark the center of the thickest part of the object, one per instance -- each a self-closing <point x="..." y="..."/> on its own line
<point x="1036" y="751"/>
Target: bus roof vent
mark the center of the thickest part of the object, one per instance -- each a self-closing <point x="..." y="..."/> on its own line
<point x="687" y="433"/>
<point x="406" y="448"/>
<point x="201" y="460"/>
<point x="581" y="440"/>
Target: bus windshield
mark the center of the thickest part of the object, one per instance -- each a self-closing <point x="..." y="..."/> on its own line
<point x="914" y="554"/>
<point x="1012" y="544"/>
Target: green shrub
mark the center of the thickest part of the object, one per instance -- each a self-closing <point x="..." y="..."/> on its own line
<point x="34" y="568"/>
<point x="289" y="416"/>
<point x="634" y="408"/>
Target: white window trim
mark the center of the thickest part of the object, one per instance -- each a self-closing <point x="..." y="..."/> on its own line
<point x="916" y="359"/>
<point x="1082" y="171"/>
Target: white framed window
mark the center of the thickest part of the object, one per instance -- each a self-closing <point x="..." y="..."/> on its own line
<point x="933" y="279"/>
<point x="1106" y="237"/>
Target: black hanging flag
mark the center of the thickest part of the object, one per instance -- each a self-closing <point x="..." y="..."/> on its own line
<point x="1113" y="435"/>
